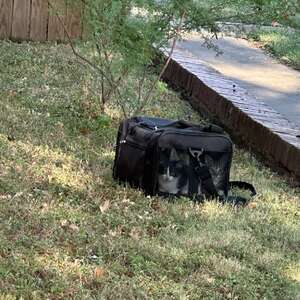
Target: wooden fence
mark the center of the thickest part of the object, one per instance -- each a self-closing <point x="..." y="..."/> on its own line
<point x="24" y="20"/>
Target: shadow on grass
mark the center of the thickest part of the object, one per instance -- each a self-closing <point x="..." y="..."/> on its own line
<point x="55" y="235"/>
<point x="67" y="230"/>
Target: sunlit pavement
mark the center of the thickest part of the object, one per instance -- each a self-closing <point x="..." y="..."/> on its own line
<point x="264" y="77"/>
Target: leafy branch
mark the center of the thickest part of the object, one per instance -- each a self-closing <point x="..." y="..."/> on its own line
<point x="167" y="62"/>
<point x="113" y="85"/>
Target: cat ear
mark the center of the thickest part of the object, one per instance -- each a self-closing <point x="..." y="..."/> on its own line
<point x="174" y="155"/>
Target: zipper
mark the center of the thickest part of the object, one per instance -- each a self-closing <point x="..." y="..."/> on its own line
<point x="187" y="132"/>
<point x="206" y="134"/>
<point x="135" y="145"/>
<point x="148" y="126"/>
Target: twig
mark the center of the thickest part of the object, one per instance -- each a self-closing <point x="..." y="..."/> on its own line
<point x="141" y="83"/>
<point x="147" y="98"/>
<point x="103" y="75"/>
<point x="73" y="48"/>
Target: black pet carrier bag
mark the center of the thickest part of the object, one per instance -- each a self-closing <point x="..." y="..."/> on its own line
<point x="176" y="158"/>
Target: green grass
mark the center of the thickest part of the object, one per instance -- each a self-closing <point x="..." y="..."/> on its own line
<point x="282" y="44"/>
<point x="67" y="230"/>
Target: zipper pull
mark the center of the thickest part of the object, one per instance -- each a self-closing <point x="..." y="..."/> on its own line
<point x="121" y="142"/>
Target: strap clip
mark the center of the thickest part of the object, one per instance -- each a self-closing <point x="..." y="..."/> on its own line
<point x="197" y="154"/>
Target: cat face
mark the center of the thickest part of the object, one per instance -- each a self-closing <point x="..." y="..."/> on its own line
<point x="172" y="175"/>
<point x="170" y="170"/>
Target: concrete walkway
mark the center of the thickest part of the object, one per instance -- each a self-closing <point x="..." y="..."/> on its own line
<point x="269" y="81"/>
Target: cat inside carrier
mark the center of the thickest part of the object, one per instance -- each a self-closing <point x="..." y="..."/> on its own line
<point x="173" y="173"/>
<point x="182" y="172"/>
<point x="175" y="158"/>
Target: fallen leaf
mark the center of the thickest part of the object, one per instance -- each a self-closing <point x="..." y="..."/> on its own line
<point x="85" y="131"/>
<point x="12" y="93"/>
<point x="74" y="227"/>
<point x="113" y="233"/>
<point x="99" y="272"/>
<point x="94" y="115"/>
<point x="18" y="195"/>
<point x="44" y="207"/>
<point x="210" y="279"/>
<point x="105" y="206"/>
<point x="135" y="234"/>
<point x="155" y="205"/>
<point x="119" y="230"/>
<point x="64" y="223"/>
<point x="129" y="273"/>
<point x="252" y="205"/>
<point x="275" y="24"/>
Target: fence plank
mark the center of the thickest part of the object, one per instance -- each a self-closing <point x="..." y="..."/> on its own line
<point x="85" y="29"/>
<point x="21" y="20"/>
<point x="33" y="20"/>
<point x="73" y="21"/>
<point x="5" y="18"/>
<point x="39" y="20"/>
<point x="55" y="29"/>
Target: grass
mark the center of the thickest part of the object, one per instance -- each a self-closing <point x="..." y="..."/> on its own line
<point x="284" y="45"/>
<point x="67" y="230"/>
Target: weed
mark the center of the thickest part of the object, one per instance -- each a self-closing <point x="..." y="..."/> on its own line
<point x="284" y="45"/>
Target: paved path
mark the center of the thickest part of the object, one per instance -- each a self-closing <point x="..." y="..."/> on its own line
<point x="269" y="81"/>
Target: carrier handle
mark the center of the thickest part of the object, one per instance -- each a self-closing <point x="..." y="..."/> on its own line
<point x="207" y="128"/>
<point x="178" y="124"/>
<point x="213" y="128"/>
<point x="182" y="124"/>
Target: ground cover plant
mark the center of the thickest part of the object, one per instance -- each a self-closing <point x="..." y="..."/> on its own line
<point x="262" y="12"/>
<point x="67" y="230"/>
<point x="283" y="44"/>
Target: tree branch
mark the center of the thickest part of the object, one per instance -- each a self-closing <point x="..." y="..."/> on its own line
<point x="147" y="98"/>
<point x="113" y="85"/>
<point x="73" y="48"/>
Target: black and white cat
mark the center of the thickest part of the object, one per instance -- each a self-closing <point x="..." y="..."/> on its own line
<point x="173" y="172"/>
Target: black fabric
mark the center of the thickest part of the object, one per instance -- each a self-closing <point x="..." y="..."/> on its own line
<point x="213" y="128"/>
<point x="235" y="200"/>
<point x="196" y="159"/>
<point x="203" y="174"/>
<point x="194" y="179"/>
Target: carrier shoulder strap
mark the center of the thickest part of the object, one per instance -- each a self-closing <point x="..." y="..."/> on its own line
<point x="239" y="200"/>
<point x="244" y="186"/>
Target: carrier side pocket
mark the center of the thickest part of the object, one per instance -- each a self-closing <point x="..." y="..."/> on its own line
<point x="130" y="163"/>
